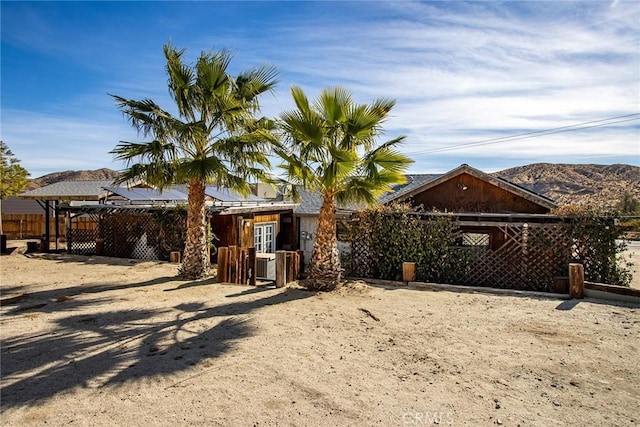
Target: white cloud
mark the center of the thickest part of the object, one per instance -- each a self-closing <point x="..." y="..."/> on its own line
<point x="49" y="143"/>
<point x="460" y="72"/>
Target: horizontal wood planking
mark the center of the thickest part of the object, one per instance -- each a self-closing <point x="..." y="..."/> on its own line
<point x="31" y="226"/>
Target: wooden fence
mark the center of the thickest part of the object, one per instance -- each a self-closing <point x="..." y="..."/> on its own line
<point x="239" y="265"/>
<point x="32" y="226"/>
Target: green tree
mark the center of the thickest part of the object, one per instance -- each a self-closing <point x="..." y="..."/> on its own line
<point x="628" y="204"/>
<point x="214" y="139"/>
<point x="13" y="177"/>
<point x="330" y="147"/>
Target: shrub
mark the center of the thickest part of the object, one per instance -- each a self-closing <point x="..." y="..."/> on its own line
<point x="383" y="237"/>
<point x="596" y="246"/>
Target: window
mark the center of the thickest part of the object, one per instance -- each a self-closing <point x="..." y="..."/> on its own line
<point x="264" y="237"/>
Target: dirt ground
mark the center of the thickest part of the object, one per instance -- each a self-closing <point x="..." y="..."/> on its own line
<point x="101" y="341"/>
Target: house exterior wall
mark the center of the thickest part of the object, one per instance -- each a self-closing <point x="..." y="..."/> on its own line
<point x="466" y="193"/>
<point x="309" y="226"/>
<point x="233" y="230"/>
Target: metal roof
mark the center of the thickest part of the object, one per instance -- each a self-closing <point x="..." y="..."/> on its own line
<point x="227" y="195"/>
<point x="69" y="190"/>
<point x="149" y="195"/>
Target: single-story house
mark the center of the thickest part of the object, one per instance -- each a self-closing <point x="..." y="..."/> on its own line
<point x="117" y="214"/>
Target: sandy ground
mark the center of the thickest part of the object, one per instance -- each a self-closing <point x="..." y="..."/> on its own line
<point x="102" y="341"/>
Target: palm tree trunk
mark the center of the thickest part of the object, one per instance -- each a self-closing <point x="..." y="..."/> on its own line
<point x="324" y="269"/>
<point x="196" y="263"/>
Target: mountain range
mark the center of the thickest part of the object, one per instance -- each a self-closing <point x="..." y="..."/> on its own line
<point x="603" y="185"/>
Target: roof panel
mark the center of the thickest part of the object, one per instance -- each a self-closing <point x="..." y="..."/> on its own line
<point x="227" y="195"/>
<point x="136" y="194"/>
<point x="69" y="190"/>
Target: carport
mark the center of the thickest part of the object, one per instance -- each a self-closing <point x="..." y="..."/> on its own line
<point x="50" y="197"/>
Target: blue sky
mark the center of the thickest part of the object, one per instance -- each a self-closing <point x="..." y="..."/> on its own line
<point x="461" y="73"/>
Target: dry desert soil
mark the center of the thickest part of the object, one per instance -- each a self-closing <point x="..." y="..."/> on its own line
<point x="100" y="341"/>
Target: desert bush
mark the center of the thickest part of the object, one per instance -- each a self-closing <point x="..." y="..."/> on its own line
<point x="383" y="237"/>
<point x="596" y="244"/>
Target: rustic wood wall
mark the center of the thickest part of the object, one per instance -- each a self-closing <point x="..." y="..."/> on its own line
<point x="466" y="193"/>
<point x="32" y="226"/>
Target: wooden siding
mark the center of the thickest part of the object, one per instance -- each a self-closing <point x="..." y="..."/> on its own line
<point x="32" y="226"/>
<point x="466" y="193"/>
<point x="225" y="228"/>
<point x="271" y="217"/>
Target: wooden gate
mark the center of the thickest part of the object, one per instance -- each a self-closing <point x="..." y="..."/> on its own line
<point x="238" y="265"/>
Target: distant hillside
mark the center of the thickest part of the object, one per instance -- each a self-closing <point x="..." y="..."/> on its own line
<point x="579" y="184"/>
<point x="99" y="174"/>
<point x="563" y="183"/>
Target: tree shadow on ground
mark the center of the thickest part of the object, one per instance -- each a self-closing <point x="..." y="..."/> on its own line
<point x="65" y="298"/>
<point x="571" y="304"/>
<point x="115" y="347"/>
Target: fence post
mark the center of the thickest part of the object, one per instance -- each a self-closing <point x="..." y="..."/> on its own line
<point x="301" y="260"/>
<point x="281" y="268"/>
<point x="576" y="280"/>
<point x="222" y="264"/>
<point x="409" y="272"/>
<point x="251" y="265"/>
<point x="174" y="256"/>
<point x="233" y="264"/>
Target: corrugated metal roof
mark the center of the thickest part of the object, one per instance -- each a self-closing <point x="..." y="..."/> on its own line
<point x="149" y="195"/>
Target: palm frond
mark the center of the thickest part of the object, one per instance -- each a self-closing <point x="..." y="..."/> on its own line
<point x="389" y="159"/>
<point x="357" y="190"/>
<point x="256" y="81"/>
<point x="300" y="99"/>
<point x="333" y="104"/>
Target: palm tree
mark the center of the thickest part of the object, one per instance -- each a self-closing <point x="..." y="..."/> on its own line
<point x="215" y="138"/>
<point x="330" y="147"/>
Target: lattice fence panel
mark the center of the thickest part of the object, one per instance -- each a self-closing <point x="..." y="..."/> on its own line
<point x="530" y="257"/>
<point x="523" y="256"/>
<point x="362" y="261"/>
<point x="128" y="235"/>
<point x="80" y="239"/>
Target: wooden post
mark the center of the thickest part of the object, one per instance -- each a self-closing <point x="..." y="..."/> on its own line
<point x="296" y="266"/>
<point x="233" y="264"/>
<point x="243" y="265"/>
<point x="251" y="265"/>
<point x="237" y="273"/>
<point x="99" y="246"/>
<point x="281" y="268"/>
<point x="301" y="255"/>
<point x="223" y="259"/>
<point x="409" y="271"/>
<point x="576" y="280"/>
<point x="290" y="266"/>
<point x="174" y="256"/>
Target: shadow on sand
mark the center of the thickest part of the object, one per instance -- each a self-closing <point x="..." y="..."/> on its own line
<point x="86" y="350"/>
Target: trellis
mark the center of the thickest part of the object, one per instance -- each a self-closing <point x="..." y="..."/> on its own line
<point x="82" y="240"/>
<point x="525" y="252"/>
<point x="529" y="258"/>
<point x="127" y="233"/>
